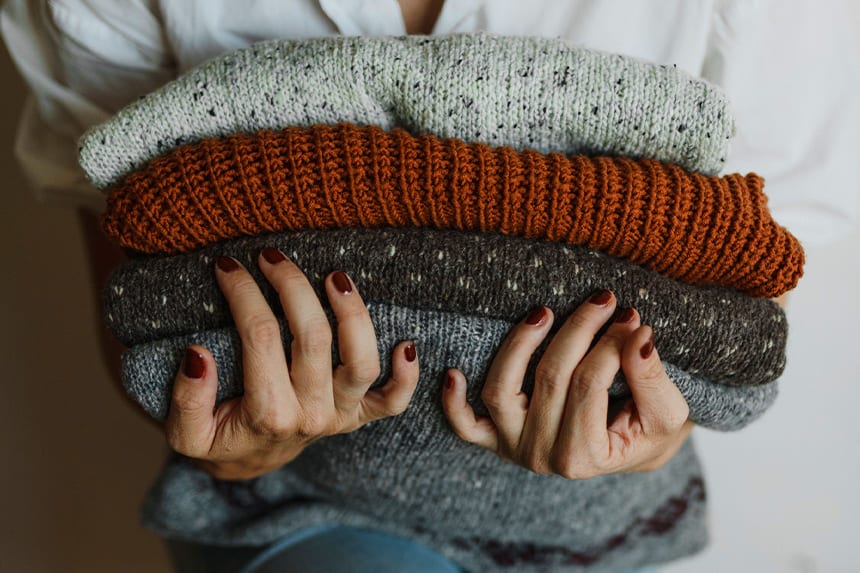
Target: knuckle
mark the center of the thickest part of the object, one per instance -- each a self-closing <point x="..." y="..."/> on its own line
<point x="562" y="463"/>
<point x="463" y="432"/>
<point x="187" y="402"/>
<point x="598" y="463"/>
<point x="652" y="375"/>
<point x="535" y="461"/>
<point x="549" y="374"/>
<point x="181" y="443"/>
<point x="676" y="418"/>
<point x="668" y="422"/>
<point x="363" y="373"/>
<point x="584" y="380"/>
<point x="274" y="424"/>
<point x="177" y="442"/>
<point x="314" y="425"/>
<point x="570" y="466"/>
<point x="262" y="331"/>
<point x="493" y="398"/>
<point x="314" y="337"/>
<point x="395" y="405"/>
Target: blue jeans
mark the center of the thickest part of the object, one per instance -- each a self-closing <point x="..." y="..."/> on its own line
<point x="322" y="549"/>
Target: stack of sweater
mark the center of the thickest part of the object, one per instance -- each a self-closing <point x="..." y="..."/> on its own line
<point x="460" y="181"/>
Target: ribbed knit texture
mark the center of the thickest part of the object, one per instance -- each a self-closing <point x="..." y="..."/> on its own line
<point x="524" y="92"/>
<point x="410" y="475"/>
<point x="149" y="369"/>
<point x="715" y="332"/>
<point x="690" y="227"/>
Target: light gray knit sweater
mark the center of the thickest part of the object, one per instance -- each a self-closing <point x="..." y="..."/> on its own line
<point x="522" y="92"/>
<point x="149" y="368"/>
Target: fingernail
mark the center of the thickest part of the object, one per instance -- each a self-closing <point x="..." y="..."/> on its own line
<point x="449" y="383"/>
<point x="647" y="348"/>
<point x="601" y="298"/>
<point x="227" y="264"/>
<point x="341" y="282"/>
<point x="193" y="366"/>
<point x="410" y="353"/>
<point x="626" y="315"/>
<point x="273" y="256"/>
<point x="537" y="316"/>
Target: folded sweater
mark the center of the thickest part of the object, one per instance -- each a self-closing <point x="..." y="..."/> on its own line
<point x="411" y="476"/>
<point x="149" y="368"/>
<point x="534" y="93"/>
<point x="690" y="227"/>
<point x="714" y="332"/>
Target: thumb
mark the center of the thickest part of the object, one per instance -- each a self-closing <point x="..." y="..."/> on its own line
<point x="661" y="406"/>
<point x="190" y="420"/>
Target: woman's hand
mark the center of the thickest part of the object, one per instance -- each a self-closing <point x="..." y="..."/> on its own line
<point x="285" y="407"/>
<point x="566" y="427"/>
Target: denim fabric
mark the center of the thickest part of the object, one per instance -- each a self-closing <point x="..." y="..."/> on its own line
<point x="323" y="549"/>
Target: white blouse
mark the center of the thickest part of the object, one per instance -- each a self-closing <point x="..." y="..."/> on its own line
<point x="790" y="68"/>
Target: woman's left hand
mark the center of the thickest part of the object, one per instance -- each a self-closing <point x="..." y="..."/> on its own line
<point x="566" y="427"/>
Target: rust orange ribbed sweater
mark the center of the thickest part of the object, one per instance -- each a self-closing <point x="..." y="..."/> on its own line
<point x="690" y="227"/>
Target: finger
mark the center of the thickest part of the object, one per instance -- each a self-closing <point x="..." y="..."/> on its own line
<point x="356" y="339"/>
<point x="503" y="389"/>
<point x="392" y="398"/>
<point x="584" y="426"/>
<point x="266" y="379"/>
<point x="466" y="424"/>
<point x="310" y="368"/>
<point x="555" y="370"/>
<point x="190" y="424"/>
<point x="660" y="405"/>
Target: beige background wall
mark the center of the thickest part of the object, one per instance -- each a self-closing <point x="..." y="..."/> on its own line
<point x="75" y="459"/>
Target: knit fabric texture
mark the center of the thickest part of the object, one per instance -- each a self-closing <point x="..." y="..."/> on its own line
<point x="149" y="369"/>
<point x="524" y="92"/>
<point x="411" y="476"/>
<point x="690" y="227"/>
<point x="714" y="332"/>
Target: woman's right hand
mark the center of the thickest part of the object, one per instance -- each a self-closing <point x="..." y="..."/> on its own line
<point x="285" y="407"/>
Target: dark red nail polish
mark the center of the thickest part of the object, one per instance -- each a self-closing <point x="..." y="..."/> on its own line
<point x="647" y="348"/>
<point x="626" y="315"/>
<point x="193" y="366"/>
<point x="449" y="382"/>
<point x="273" y="256"/>
<point x="341" y="282"/>
<point x="227" y="264"/>
<point x="537" y="316"/>
<point x="601" y="298"/>
<point x="410" y="353"/>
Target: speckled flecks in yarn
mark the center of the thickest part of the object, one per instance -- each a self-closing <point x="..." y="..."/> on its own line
<point x="535" y="93"/>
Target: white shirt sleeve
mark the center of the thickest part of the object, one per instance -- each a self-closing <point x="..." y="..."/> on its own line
<point x="791" y="72"/>
<point x="83" y="60"/>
